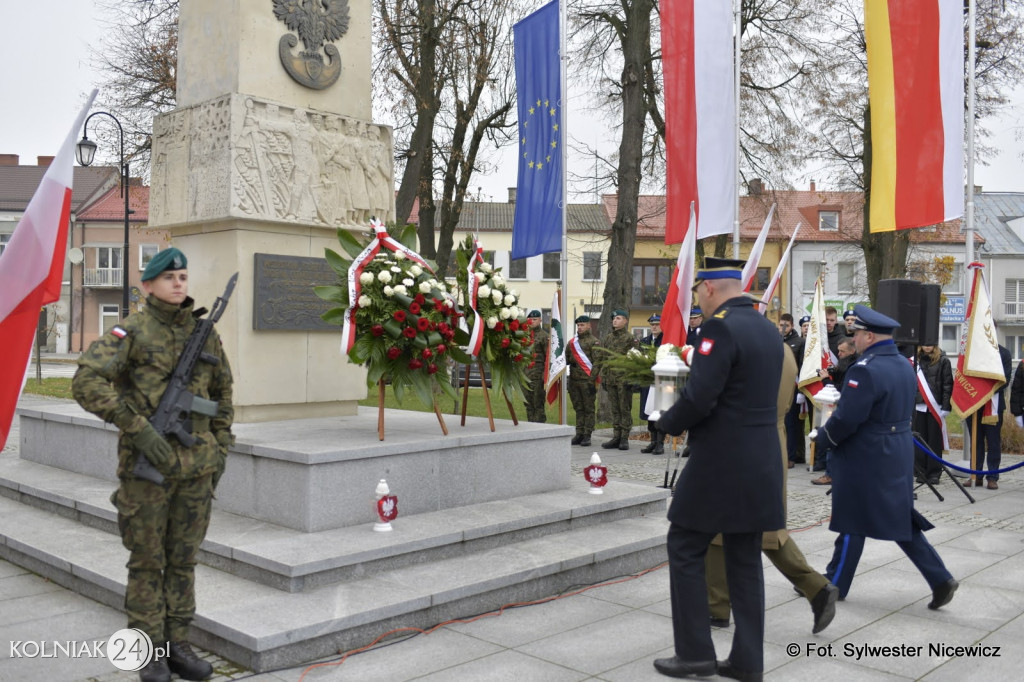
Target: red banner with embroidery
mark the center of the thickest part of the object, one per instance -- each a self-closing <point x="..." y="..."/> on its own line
<point x="476" y="337"/>
<point x="381" y="240"/>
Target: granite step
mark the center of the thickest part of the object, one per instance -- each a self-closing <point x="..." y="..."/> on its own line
<point x="263" y="628"/>
<point x="295" y="561"/>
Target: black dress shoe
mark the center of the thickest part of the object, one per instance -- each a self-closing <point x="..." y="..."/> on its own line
<point x="155" y="671"/>
<point x="183" y="661"/>
<point x="677" y="667"/>
<point x="719" y="622"/>
<point x="726" y="669"/>
<point x="823" y="606"/>
<point x="943" y="594"/>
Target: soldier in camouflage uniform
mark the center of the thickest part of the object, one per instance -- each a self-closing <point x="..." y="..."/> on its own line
<point x="620" y="393"/>
<point x="121" y="379"/>
<point x="582" y="380"/>
<point x="535" y="393"/>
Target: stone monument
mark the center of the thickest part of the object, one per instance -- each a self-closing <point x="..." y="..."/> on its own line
<point x="270" y="151"/>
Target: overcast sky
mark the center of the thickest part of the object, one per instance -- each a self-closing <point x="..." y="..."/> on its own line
<point x="46" y="75"/>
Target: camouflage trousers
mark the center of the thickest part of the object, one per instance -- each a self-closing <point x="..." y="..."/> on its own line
<point x="583" y="394"/>
<point x="162" y="527"/>
<point x="535" y="400"/>
<point x="620" y="400"/>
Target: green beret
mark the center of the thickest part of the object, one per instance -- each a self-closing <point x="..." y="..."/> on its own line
<point x="620" y="313"/>
<point x="168" y="259"/>
<point x="534" y="313"/>
<point x="582" y="318"/>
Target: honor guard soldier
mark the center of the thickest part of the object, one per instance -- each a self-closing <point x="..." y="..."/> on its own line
<point x="582" y="380"/>
<point x="535" y="394"/>
<point x="657" y="444"/>
<point x="732" y="481"/>
<point x="872" y="460"/>
<point x="693" y="326"/>
<point x="121" y="379"/>
<point x="620" y="393"/>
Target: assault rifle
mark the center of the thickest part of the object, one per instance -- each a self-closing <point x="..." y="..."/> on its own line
<point x="173" y="414"/>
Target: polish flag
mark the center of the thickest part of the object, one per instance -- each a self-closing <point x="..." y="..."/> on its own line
<point x="31" y="270"/>
<point x="675" y="315"/>
<point x="770" y="291"/>
<point x="700" y="115"/>
<point x="915" y="51"/>
<point x="750" y="269"/>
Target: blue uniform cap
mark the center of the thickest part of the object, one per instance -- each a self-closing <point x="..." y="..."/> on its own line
<point x="168" y="259"/>
<point x="873" y="321"/>
<point x="720" y="268"/>
<point x="695" y="311"/>
<point x="849" y="313"/>
<point x="805" y="318"/>
<point x="654" y="318"/>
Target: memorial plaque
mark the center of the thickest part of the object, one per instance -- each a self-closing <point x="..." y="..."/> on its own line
<point x="283" y="293"/>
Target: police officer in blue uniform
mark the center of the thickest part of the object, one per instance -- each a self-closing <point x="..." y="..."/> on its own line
<point x="872" y="460"/>
<point x="732" y="482"/>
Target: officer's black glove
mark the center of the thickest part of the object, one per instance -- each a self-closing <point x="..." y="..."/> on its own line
<point x="154" y="447"/>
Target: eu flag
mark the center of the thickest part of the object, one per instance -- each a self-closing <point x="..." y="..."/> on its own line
<point x="537" y="227"/>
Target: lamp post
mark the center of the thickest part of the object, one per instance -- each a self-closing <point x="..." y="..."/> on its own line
<point x="85" y="151"/>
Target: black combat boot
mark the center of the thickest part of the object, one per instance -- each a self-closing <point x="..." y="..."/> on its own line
<point x="586" y="440"/>
<point x="576" y="439"/>
<point x="624" y="441"/>
<point x="155" y="671"/>
<point x="183" y="661"/>
<point x="649" y="448"/>
<point x="613" y="443"/>
<point x="659" y="443"/>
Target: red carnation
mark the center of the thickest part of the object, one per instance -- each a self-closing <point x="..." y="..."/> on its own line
<point x="518" y="357"/>
<point x="427" y="353"/>
<point x="399" y="315"/>
<point x="432" y="369"/>
<point x="505" y="342"/>
<point x="530" y="366"/>
<point x="393" y="353"/>
<point x="448" y="335"/>
<point x="439" y="305"/>
<point x="415" y="364"/>
<point x="500" y="327"/>
<point x="419" y="299"/>
<point x="443" y="327"/>
<point x="423" y="324"/>
<point x="514" y="325"/>
<point x="414" y="308"/>
<point x="377" y="330"/>
<point x="441" y="348"/>
<point x="409" y="333"/>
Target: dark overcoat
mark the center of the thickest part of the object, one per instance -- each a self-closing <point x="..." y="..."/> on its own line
<point x="732" y="481"/>
<point x="872" y="457"/>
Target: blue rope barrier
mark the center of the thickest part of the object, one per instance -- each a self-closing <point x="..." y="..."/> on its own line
<point x="965" y="470"/>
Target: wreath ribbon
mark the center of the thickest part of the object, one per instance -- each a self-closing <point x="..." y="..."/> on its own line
<point x="476" y="337"/>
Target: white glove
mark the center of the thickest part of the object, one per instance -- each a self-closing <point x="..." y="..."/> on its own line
<point x="686" y="353"/>
<point x="1020" y="421"/>
<point x="813" y="434"/>
<point x="801" y="399"/>
<point x="944" y="413"/>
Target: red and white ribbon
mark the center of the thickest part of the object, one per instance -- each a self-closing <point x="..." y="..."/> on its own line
<point x="582" y="361"/>
<point x="381" y="240"/>
<point x="933" y="405"/>
<point x="476" y="337"/>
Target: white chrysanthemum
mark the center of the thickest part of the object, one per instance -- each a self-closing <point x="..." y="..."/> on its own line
<point x="388" y="291"/>
<point x="366" y="278"/>
<point x="416" y="270"/>
<point x="448" y="302"/>
<point x="384" y="276"/>
<point x="516" y="312"/>
<point x="504" y="313"/>
<point x="664" y="350"/>
<point x="497" y="297"/>
<point x="492" y="322"/>
<point x="498" y="280"/>
<point x="401" y="289"/>
<point x="484" y="291"/>
<point x="425" y="287"/>
<point x="514" y="293"/>
<point x="408" y="281"/>
<point x="479" y="276"/>
<point x="399" y="255"/>
<point x="395" y="269"/>
<point x="364" y="301"/>
<point x="486" y="267"/>
<point x="442" y="286"/>
<point x="510" y="299"/>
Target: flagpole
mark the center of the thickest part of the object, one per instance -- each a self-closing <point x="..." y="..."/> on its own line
<point x="736" y="93"/>
<point x="564" y="298"/>
<point x="969" y="213"/>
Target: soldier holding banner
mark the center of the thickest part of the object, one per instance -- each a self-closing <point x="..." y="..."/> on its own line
<point x="582" y="379"/>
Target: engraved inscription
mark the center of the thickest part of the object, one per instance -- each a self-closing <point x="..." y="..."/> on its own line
<point x="283" y="293"/>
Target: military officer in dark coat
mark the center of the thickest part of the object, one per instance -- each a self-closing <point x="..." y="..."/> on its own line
<point x="872" y="460"/>
<point x="732" y="482"/>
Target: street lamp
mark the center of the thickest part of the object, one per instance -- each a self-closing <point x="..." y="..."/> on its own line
<point x="85" y="151"/>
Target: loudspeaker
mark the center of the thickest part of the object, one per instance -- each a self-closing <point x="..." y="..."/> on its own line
<point x="931" y="294"/>
<point x="900" y="299"/>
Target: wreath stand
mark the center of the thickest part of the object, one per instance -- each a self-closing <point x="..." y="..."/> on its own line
<point x="380" y="412"/>
<point x="487" y="398"/>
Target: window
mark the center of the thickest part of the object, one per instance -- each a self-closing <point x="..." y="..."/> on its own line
<point x="146" y="253"/>
<point x="591" y="265"/>
<point x="109" y="315"/>
<point x="956" y="279"/>
<point x="4" y="238"/>
<point x="847" y="276"/>
<point x="828" y="221"/>
<point x="950" y="341"/>
<point x="516" y="267"/>
<point x="761" y="279"/>
<point x="650" y="283"/>
<point x="812" y="270"/>
<point x="1015" y="298"/>
<point x="1015" y="344"/>
<point x="552" y="266"/>
<point x="592" y="310"/>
